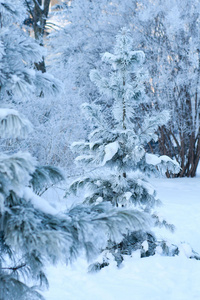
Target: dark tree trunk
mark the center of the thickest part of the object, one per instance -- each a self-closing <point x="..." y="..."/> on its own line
<point x="40" y="18"/>
<point x="180" y="139"/>
<point x="39" y="15"/>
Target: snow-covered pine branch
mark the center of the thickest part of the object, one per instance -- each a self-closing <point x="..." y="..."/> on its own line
<point x="45" y="177"/>
<point x="12" y="125"/>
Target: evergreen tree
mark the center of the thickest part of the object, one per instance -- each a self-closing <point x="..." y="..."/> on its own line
<point x="116" y="151"/>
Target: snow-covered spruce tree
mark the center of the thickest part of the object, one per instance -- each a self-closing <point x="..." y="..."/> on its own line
<point x="116" y="150"/>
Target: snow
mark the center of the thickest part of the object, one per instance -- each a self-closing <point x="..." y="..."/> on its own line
<point x="166" y="158"/>
<point x="152" y="278"/>
<point x="110" y="150"/>
<point x="108" y="57"/>
<point x="128" y="195"/>
<point x="39" y="202"/>
<point x="15" y="78"/>
<point x="153" y="159"/>
<point x="145" y="246"/>
<point x="4" y="112"/>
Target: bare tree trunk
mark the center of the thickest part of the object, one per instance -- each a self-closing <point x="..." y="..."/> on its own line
<point x="180" y="140"/>
<point x="196" y="160"/>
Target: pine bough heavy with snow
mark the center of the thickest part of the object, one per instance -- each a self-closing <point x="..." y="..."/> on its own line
<point x="33" y="233"/>
<point x="115" y="154"/>
<point x="22" y="233"/>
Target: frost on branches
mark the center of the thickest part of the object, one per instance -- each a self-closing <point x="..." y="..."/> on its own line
<point x="116" y="150"/>
<point x="170" y="35"/>
<point x="18" y="55"/>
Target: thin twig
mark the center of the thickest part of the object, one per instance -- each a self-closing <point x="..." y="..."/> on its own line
<point x="14" y="268"/>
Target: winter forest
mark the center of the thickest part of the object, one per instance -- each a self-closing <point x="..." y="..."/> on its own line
<point x="100" y="145"/>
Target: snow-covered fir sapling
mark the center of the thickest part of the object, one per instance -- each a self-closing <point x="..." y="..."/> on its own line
<point x="115" y="154"/>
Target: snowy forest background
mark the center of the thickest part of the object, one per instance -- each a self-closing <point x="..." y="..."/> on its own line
<point x="116" y="82"/>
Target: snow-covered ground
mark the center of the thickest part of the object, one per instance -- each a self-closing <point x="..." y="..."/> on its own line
<point x="152" y="278"/>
